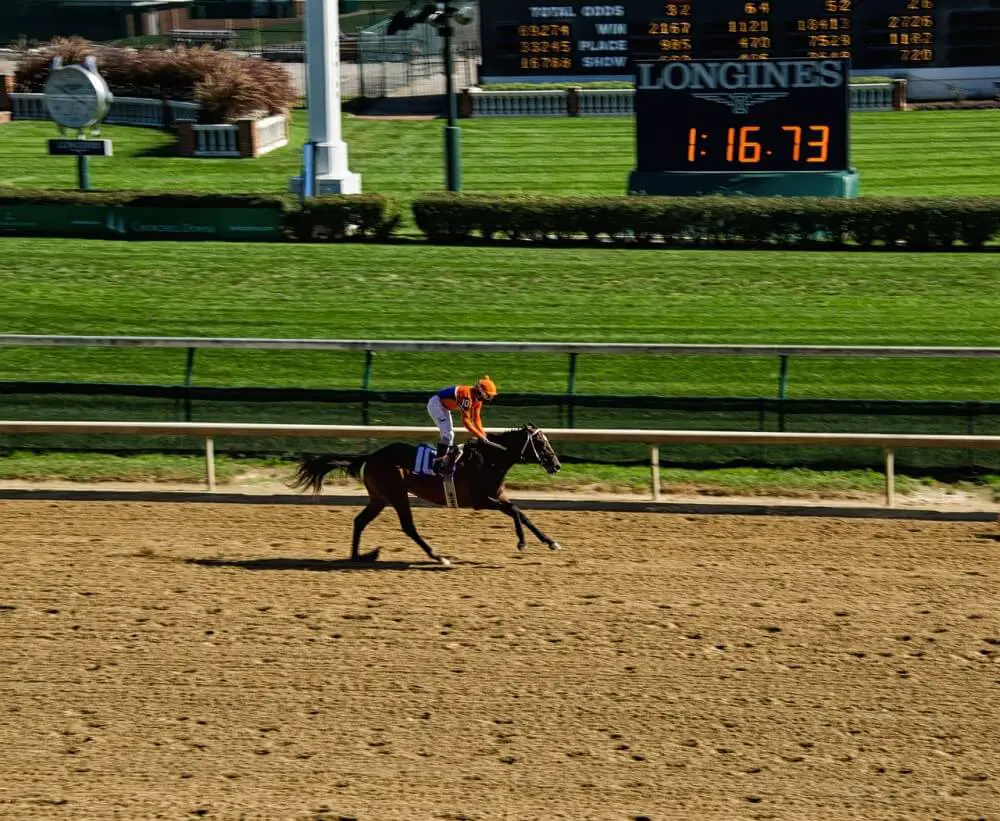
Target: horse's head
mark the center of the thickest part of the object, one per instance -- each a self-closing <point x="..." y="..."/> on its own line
<point x="538" y="448"/>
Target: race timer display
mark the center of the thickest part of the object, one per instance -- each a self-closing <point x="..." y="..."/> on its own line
<point x="735" y="116"/>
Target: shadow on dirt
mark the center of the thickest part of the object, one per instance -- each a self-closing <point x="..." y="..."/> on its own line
<point x="333" y="565"/>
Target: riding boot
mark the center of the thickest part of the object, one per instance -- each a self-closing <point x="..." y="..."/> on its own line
<point x="441" y="460"/>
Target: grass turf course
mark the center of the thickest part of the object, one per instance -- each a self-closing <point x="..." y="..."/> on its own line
<point x="415" y="291"/>
<point x="74" y="287"/>
<point x="897" y="153"/>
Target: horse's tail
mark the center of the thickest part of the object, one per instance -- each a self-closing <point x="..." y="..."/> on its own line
<point x="312" y="472"/>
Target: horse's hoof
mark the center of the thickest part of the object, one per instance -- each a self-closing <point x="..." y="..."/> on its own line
<point x="555" y="546"/>
<point x="520" y="547"/>
<point x="367" y="558"/>
<point x="443" y="561"/>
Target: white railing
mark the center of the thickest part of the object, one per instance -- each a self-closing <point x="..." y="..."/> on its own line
<point x="518" y="103"/>
<point x="138" y="111"/>
<point x="606" y="102"/>
<point x="611" y="102"/>
<point x="888" y="443"/>
<point x="216" y="141"/>
<point x="872" y="97"/>
<point x="472" y="346"/>
<point x="29" y="107"/>
<point x="272" y="133"/>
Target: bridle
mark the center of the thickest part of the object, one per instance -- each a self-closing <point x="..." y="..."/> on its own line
<point x="534" y="447"/>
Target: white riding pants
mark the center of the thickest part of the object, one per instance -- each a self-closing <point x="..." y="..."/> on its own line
<point x="442" y="418"/>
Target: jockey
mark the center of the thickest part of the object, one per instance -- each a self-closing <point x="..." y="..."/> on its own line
<point x="468" y="399"/>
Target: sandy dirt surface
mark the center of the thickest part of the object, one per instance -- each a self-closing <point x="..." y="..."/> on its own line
<point x="181" y="661"/>
<point x="942" y="498"/>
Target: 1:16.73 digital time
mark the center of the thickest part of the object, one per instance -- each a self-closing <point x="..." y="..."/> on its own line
<point x="806" y="143"/>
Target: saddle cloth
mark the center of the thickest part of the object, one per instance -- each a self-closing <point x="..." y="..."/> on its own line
<point x="423" y="462"/>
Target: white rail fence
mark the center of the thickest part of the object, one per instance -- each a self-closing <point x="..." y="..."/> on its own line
<point x="138" y="111"/>
<point x="888" y="443"/>
<point x="610" y="102"/>
<point x="496" y="346"/>
<point x="222" y="140"/>
<point x="371" y="347"/>
<point x="216" y="141"/>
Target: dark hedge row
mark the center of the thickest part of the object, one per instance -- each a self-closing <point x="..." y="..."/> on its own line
<point x="918" y="223"/>
<point x="322" y="219"/>
<point x="780" y="222"/>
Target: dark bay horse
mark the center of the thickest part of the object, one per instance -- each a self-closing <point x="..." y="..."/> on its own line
<point x="479" y="478"/>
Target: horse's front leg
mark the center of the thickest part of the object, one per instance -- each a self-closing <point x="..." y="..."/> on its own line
<point x="507" y="506"/>
<point x="552" y="543"/>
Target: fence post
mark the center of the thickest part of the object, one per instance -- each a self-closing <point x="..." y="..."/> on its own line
<point x="210" y="462"/>
<point x="466" y="106"/>
<point x="573" y="101"/>
<point x="899" y="94"/>
<point x="782" y="389"/>
<point x="570" y="385"/>
<point x="188" y="380"/>
<point x="890" y="478"/>
<point x="366" y="381"/>
<point x="654" y="465"/>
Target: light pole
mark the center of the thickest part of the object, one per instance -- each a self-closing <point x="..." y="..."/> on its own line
<point x="443" y="17"/>
<point x="452" y="135"/>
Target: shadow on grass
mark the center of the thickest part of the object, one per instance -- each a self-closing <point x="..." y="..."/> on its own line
<point x="163" y="150"/>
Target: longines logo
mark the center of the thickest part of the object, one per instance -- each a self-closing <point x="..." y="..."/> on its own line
<point x="740" y="103"/>
<point x="741" y="76"/>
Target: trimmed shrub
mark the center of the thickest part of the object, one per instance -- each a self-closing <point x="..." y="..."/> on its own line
<point x="226" y="86"/>
<point x="338" y="217"/>
<point x="917" y="223"/>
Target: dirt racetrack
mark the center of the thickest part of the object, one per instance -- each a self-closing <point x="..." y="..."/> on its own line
<point x="200" y="660"/>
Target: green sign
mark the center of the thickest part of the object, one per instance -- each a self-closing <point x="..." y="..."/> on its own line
<point x="60" y="220"/>
<point x="247" y="224"/>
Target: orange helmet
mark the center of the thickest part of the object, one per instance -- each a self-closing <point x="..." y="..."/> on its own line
<point x="487" y="387"/>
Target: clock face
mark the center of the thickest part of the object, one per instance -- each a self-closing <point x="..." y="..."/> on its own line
<point x="76" y="98"/>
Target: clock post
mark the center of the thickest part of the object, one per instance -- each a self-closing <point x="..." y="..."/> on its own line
<point x="751" y="127"/>
<point x="79" y="99"/>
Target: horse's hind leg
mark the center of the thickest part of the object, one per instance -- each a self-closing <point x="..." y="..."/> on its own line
<point x="361" y="521"/>
<point x="406" y="523"/>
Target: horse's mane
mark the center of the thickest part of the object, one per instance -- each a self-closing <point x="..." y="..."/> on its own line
<point x="478" y="452"/>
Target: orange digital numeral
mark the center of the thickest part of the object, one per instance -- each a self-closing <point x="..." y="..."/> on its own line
<point x="744" y="150"/>
<point x="823" y="143"/>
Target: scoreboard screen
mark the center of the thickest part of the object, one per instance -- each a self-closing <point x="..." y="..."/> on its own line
<point x="524" y="38"/>
<point x="737" y="116"/>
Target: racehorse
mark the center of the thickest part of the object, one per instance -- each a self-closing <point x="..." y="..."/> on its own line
<point x="479" y="478"/>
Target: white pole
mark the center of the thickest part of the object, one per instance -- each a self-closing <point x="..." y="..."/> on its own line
<point x="210" y="462"/>
<point x="654" y="465"/>
<point x="322" y="26"/>
<point x="890" y="477"/>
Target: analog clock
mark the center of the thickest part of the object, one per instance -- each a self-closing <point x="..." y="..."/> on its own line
<point x="76" y="97"/>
